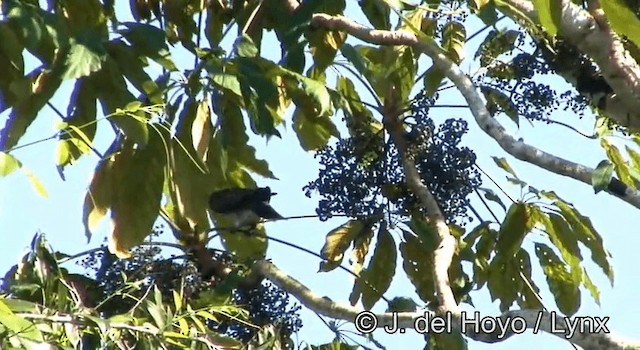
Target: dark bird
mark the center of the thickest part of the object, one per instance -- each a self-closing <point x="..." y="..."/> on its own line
<point x="247" y="206"/>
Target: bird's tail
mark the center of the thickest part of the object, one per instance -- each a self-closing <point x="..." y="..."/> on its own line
<point x="264" y="210"/>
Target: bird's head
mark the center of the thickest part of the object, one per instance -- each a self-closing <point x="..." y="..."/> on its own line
<point x="264" y="193"/>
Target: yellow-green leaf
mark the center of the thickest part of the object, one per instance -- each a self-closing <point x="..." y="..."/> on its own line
<point x="18" y="325"/>
<point x="549" y="14"/>
<point x="313" y="132"/>
<point x="517" y="223"/>
<point x="376" y="279"/>
<point x="201" y="129"/>
<point x="418" y="265"/>
<point x="36" y="183"/>
<point x="504" y="165"/>
<point x="338" y="240"/>
<point x="564" y="289"/>
<point x="8" y="164"/>
<point x="623" y="19"/>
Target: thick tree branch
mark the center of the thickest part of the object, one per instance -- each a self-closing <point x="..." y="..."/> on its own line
<point x="594" y="37"/>
<point x="489" y="125"/>
<point x="446" y="245"/>
<point x="536" y="320"/>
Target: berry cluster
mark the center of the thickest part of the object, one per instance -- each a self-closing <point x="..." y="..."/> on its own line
<point x="352" y="181"/>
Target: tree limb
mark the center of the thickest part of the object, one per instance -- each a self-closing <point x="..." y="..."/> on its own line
<point x="537" y="320"/>
<point x="488" y="124"/>
<point x="594" y="37"/>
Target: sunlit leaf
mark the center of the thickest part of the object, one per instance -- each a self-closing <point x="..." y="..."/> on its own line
<point x="376" y="279"/>
<point x="338" y="241"/>
<point x="84" y="58"/>
<point x="149" y="41"/>
<point x="623" y="19"/>
<point x="504" y="165"/>
<point x="549" y="14"/>
<point x="564" y="289"/>
<point x="18" y="325"/>
<point x="8" y="164"/>
<point x="517" y="223"/>
<point x="418" y="265"/>
<point x="602" y="175"/>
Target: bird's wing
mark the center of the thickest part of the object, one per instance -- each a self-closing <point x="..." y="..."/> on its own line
<point x="230" y="199"/>
<point x="264" y="210"/>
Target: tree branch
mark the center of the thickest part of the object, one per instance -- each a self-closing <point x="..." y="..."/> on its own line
<point x="443" y="254"/>
<point x="489" y="125"/>
<point x="594" y="37"/>
<point x="537" y="320"/>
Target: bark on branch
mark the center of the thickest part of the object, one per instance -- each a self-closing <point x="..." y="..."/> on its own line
<point x="594" y="37"/>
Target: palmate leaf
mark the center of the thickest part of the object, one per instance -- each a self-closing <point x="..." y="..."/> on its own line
<point x="129" y="183"/>
<point x="86" y="55"/>
<point x="45" y="83"/>
<point x="149" y="41"/>
<point x="517" y="223"/>
<point x="132" y="65"/>
<point x="374" y="281"/>
<point x="190" y="184"/>
<point x="565" y="290"/>
<point x="549" y="14"/>
<point x="418" y="265"/>
<point x="80" y="126"/>
<point x="338" y="241"/>
<point x="114" y="95"/>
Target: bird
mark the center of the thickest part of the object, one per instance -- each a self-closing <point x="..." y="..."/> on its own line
<point x="246" y="206"/>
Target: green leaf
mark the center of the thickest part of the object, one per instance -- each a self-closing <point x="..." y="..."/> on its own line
<point x="602" y="175"/>
<point x="504" y="165"/>
<point x="84" y="58"/>
<point x="376" y="279"/>
<point x="587" y="234"/>
<point x="235" y="140"/>
<point x="260" y="93"/>
<point x="622" y="19"/>
<point x="591" y="287"/>
<point x="377" y="12"/>
<point x="313" y="133"/>
<point x="132" y="66"/>
<point x="485" y="10"/>
<point x="45" y="82"/>
<point x="517" y="223"/>
<point x="433" y="78"/>
<point x="134" y="201"/>
<point x="621" y="165"/>
<point x="564" y="289"/>
<point x="149" y="41"/>
<point x="453" y="39"/>
<point x="563" y="238"/>
<point x="244" y="47"/>
<point x="114" y="96"/>
<point x="338" y="240"/>
<point x="504" y="281"/>
<point x="8" y="164"/>
<point x="529" y="296"/>
<point x="417" y="264"/>
<point x="36" y="183"/>
<point x="490" y="195"/>
<point x="18" y="325"/>
<point x="549" y="14"/>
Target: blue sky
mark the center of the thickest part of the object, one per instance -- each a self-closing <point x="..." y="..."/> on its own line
<point x="23" y="212"/>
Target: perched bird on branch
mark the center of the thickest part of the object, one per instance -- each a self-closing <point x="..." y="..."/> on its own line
<point x="246" y="206"/>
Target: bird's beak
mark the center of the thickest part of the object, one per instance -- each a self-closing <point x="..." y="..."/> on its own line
<point x="274" y="193"/>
